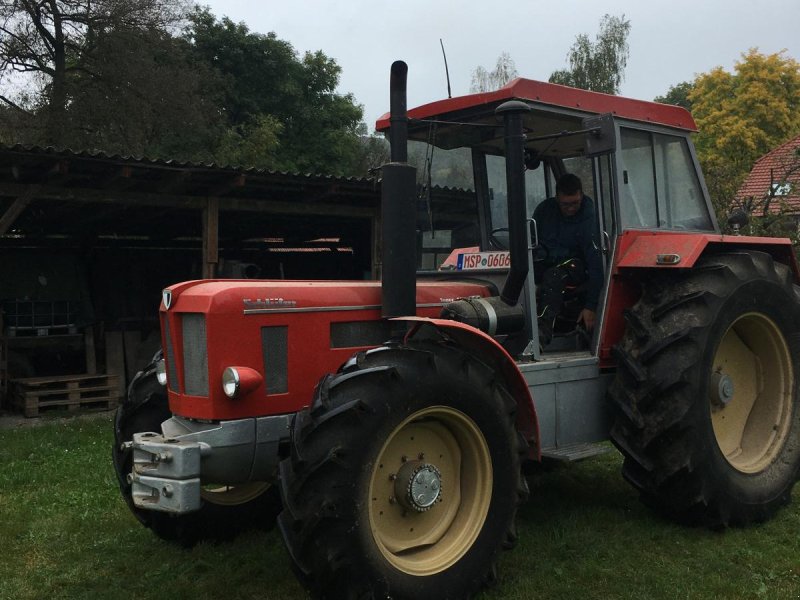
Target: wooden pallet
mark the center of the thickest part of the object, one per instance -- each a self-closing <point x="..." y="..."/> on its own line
<point x="35" y="395"/>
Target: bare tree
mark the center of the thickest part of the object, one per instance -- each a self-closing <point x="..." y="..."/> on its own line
<point x="47" y="42"/>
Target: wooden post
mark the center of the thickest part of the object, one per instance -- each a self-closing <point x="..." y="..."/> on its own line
<point x="210" y="237"/>
<point x="91" y="356"/>
<point x="376" y="247"/>
<point x="3" y="364"/>
<point x="115" y="359"/>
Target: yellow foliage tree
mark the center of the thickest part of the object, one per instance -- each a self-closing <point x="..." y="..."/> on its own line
<point x="742" y="116"/>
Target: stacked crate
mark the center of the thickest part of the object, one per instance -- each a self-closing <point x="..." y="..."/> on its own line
<point x="26" y="317"/>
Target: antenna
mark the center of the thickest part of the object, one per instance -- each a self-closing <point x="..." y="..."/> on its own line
<point x="446" y="71"/>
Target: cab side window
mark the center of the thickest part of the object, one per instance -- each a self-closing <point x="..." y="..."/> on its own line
<point x="659" y="188"/>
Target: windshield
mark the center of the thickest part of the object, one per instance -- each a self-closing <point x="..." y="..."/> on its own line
<point x="536" y="190"/>
<point x="447" y="205"/>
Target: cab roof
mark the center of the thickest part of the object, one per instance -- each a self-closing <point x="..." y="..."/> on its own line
<point x="555" y="108"/>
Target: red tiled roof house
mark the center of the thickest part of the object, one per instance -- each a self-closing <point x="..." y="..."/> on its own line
<point x="774" y="179"/>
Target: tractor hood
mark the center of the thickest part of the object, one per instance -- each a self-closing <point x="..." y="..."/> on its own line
<point x="264" y="297"/>
<point x="286" y="334"/>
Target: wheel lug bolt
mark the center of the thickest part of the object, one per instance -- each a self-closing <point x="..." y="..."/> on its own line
<point x="403" y="458"/>
<point x="392" y="477"/>
<point x="421" y="456"/>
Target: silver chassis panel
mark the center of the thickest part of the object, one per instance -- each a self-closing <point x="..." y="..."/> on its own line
<point x="569" y="393"/>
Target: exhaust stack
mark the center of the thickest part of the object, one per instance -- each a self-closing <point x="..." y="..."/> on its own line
<point x="398" y="209"/>
<point x="512" y="113"/>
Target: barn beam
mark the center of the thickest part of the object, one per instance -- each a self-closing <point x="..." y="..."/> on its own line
<point x="17" y="208"/>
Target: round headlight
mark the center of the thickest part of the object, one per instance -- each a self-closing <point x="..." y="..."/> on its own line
<point x="161" y="372"/>
<point x="230" y="382"/>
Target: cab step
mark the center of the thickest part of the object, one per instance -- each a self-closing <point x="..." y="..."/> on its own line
<point x="574" y="452"/>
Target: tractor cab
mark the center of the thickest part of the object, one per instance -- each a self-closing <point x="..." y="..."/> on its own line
<point x="635" y="161"/>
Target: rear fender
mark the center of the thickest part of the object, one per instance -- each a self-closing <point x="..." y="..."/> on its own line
<point x="674" y="250"/>
<point x="639" y="250"/>
<point x="489" y="351"/>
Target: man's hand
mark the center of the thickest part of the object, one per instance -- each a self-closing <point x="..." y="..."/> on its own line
<point x="587" y="318"/>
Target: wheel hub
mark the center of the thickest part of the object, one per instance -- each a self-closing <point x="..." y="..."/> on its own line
<point x="418" y="486"/>
<point x="721" y="389"/>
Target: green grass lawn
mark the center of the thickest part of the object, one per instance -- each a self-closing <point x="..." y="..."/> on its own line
<point x="66" y="533"/>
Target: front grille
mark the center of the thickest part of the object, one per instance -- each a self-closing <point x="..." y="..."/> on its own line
<point x="275" y="349"/>
<point x="172" y="370"/>
<point x="195" y="354"/>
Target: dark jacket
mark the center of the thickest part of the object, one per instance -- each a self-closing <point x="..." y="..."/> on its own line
<point x="572" y="237"/>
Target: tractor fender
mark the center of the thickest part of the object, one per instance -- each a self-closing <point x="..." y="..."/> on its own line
<point x="637" y="250"/>
<point x="677" y="250"/>
<point x="489" y="351"/>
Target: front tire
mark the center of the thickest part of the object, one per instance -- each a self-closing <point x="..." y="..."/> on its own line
<point x="404" y="476"/>
<point x="226" y="511"/>
<point x="707" y="390"/>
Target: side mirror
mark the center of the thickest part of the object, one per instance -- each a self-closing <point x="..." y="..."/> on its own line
<point x="600" y="137"/>
<point x="532" y="160"/>
<point x="737" y="219"/>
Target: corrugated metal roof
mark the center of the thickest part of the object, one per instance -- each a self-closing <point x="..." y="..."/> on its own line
<point x="100" y="155"/>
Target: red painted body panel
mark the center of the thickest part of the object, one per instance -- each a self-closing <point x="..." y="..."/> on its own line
<point x="638" y="249"/>
<point x="487" y="348"/>
<point x="559" y="96"/>
<point x="306" y="308"/>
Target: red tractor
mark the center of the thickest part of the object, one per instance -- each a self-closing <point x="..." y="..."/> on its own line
<point x="387" y="426"/>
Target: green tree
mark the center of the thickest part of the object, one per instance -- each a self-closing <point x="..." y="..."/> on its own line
<point x="122" y="77"/>
<point x="146" y="96"/>
<point x="678" y="95"/>
<point x="485" y="81"/>
<point x="289" y="104"/>
<point x="743" y="115"/>
<point x="598" y="66"/>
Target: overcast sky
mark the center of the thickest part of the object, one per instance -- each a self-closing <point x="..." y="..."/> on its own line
<point x="670" y="41"/>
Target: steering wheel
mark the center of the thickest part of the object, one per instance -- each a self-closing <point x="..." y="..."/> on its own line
<point x="496" y="243"/>
<point x="540" y="253"/>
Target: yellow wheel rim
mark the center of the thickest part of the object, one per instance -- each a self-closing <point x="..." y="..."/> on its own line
<point x="750" y="393"/>
<point x="233" y="495"/>
<point x="430" y="491"/>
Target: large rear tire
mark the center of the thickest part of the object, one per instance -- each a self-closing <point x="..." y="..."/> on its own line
<point x="226" y="511"/>
<point x="707" y="390"/>
<point x="404" y="476"/>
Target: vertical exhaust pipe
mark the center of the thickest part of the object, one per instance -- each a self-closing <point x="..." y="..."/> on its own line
<point x="398" y="209"/>
<point x="512" y="113"/>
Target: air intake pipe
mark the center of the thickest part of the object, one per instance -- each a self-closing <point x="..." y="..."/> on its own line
<point x="398" y="209"/>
